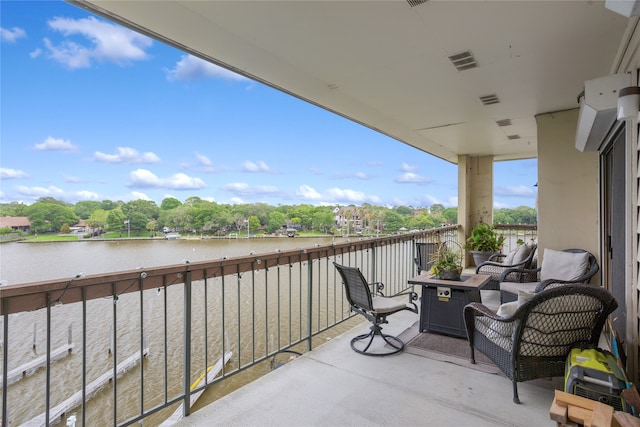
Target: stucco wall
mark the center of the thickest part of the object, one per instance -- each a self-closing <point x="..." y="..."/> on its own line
<point x="568" y="196"/>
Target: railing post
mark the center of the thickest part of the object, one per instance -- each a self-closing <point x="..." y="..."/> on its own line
<point x="187" y="344"/>
<point x="5" y="361"/>
<point x="309" y="302"/>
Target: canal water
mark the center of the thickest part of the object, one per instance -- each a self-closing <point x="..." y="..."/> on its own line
<point x="32" y="262"/>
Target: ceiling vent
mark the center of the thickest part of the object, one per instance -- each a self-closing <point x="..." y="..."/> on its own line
<point x="490" y="99"/>
<point x="504" y="122"/>
<point x="513" y="136"/>
<point x="463" y="61"/>
<point x="414" y="3"/>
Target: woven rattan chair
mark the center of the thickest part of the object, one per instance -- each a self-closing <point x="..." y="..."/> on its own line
<point x="375" y="307"/>
<point x="515" y="279"/>
<point x="535" y="340"/>
<point x="499" y="263"/>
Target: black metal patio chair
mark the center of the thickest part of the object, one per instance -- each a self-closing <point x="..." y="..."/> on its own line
<point x="424" y="255"/>
<point x="375" y="307"/>
<point x="535" y="340"/>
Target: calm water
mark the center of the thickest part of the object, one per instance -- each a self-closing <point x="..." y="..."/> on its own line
<point x="30" y="262"/>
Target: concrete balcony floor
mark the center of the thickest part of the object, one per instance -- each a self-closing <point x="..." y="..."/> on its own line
<point x="335" y="386"/>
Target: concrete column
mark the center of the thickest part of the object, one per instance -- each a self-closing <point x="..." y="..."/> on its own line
<point x="568" y="183"/>
<point x="475" y="194"/>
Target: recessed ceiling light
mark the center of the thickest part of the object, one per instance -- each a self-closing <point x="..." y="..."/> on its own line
<point x="504" y="122"/>
<point x="513" y="136"/>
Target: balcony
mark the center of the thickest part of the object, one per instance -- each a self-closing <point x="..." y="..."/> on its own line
<point x="178" y="320"/>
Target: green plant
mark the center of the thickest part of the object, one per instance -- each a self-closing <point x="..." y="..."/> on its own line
<point x="447" y="258"/>
<point x="484" y="238"/>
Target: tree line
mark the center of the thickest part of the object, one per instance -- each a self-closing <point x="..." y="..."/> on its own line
<point x="195" y="215"/>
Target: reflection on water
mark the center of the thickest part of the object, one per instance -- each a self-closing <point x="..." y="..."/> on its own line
<point x="31" y="262"/>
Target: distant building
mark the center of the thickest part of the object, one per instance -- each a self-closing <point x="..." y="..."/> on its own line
<point x="16" y="223"/>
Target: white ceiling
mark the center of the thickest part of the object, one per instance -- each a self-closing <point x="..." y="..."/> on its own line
<point x="385" y="64"/>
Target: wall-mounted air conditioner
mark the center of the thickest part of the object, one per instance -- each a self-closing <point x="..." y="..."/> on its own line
<point x="598" y="110"/>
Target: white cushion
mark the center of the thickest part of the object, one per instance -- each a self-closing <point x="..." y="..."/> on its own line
<point x="524" y="296"/>
<point x="562" y="265"/>
<point x="507" y="309"/>
<point x="386" y="305"/>
<point x="522" y="254"/>
<point x="508" y="260"/>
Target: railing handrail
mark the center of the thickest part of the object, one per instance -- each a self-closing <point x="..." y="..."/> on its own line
<point x="33" y="296"/>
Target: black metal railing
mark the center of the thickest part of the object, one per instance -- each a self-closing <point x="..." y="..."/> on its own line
<point x="147" y="334"/>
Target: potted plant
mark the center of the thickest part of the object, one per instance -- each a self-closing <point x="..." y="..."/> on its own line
<point x="447" y="262"/>
<point x="483" y="242"/>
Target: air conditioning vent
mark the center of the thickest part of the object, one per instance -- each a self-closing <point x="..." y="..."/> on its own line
<point x="490" y="99"/>
<point x="463" y="61"/>
<point x="513" y="136"/>
<point x="414" y="3"/>
<point x="504" y="122"/>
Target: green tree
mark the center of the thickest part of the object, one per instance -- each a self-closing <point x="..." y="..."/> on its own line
<point x="323" y="220"/>
<point x="169" y="203"/>
<point x="65" y="229"/>
<point x="254" y="224"/>
<point x="115" y="220"/>
<point x="146" y="207"/>
<point x="152" y="226"/>
<point x="45" y="216"/>
<point x="276" y="221"/>
<point x="85" y="208"/>
<point x="137" y="222"/>
<point x="98" y="220"/>
<point x="393" y="221"/>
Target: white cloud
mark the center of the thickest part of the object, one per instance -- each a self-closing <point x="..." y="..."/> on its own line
<point x="350" y="196"/>
<point x="411" y="178"/>
<point x="35" y="53"/>
<point x="407" y="168"/>
<point x="12" y="35"/>
<point x="55" y="144"/>
<point x="308" y="193"/>
<point x="6" y="173"/>
<point x="244" y="189"/>
<point x="142" y="178"/>
<point x="87" y="195"/>
<point x="104" y="42"/>
<point x="37" y="192"/>
<point x="126" y="155"/>
<point x="249" y="166"/>
<point x="193" y="68"/>
<point x="204" y="160"/>
<point x="137" y="195"/>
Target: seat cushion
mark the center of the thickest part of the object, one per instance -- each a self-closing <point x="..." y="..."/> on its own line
<point x="522" y="253"/>
<point x="508" y="260"/>
<point x="562" y="265"/>
<point x="384" y="305"/>
<point x="514" y="287"/>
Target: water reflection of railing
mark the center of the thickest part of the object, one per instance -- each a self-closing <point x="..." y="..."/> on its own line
<point x="188" y="316"/>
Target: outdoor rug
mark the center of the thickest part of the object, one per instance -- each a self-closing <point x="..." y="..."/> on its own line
<point x="445" y="349"/>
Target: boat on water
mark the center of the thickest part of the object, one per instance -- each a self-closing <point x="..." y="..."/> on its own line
<point x="171" y="236"/>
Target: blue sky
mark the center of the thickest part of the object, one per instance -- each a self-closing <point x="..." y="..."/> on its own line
<point x="93" y="111"/>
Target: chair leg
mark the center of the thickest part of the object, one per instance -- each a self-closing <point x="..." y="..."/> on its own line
<point x="394" y="342"/>
<point x="515" y="392"/>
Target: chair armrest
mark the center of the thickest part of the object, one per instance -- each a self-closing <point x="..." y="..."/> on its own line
<point x="554" y="283"/>
<point x="520" y="275"/>
<point x="378" y="287"/>
<point x="497" y="257"/>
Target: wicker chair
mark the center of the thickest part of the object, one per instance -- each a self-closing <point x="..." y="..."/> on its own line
<point x="535" y="340"/>
<point x="513" y="280"/>
<point x="374" y="308"/>
<point x="499" y="263"/>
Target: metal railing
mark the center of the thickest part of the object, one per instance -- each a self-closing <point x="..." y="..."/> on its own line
<point x="516" y="232"/>
<point x="147" y="334"/>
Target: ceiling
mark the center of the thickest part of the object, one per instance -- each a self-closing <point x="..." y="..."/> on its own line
<point x="386" y="63"/>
